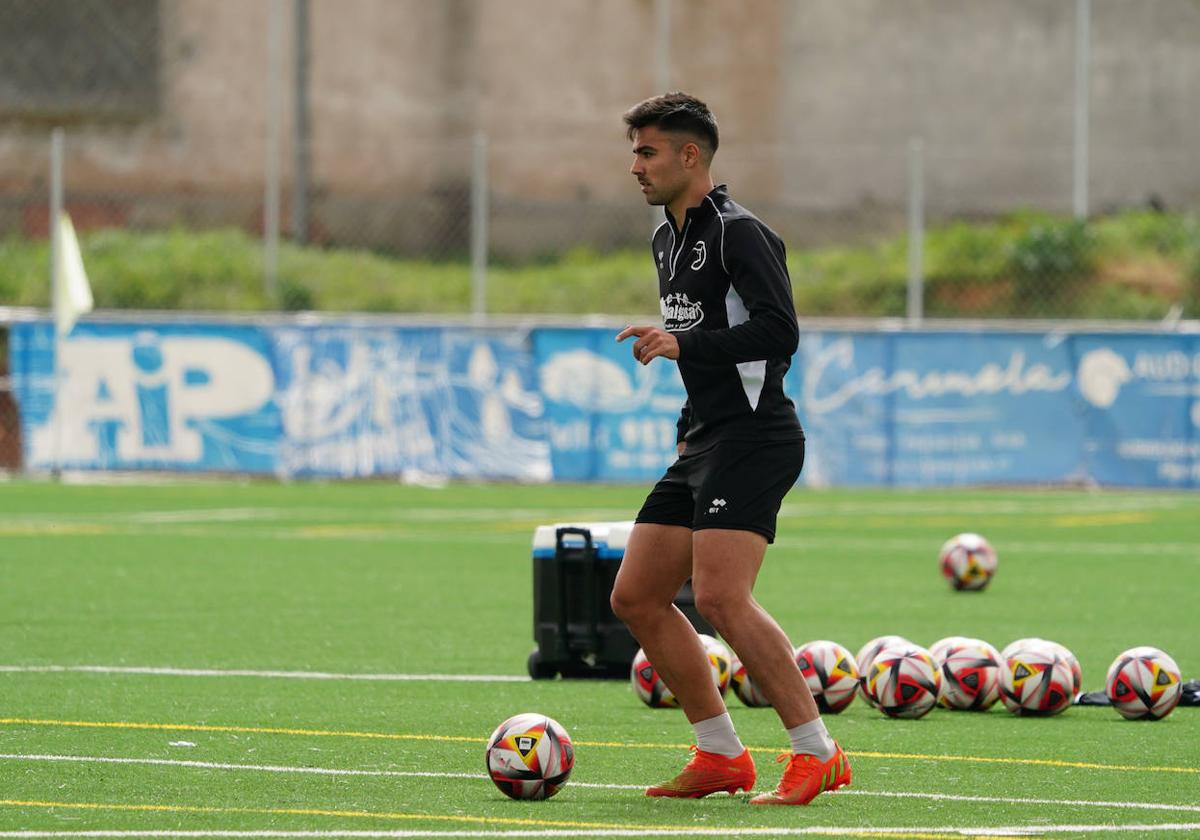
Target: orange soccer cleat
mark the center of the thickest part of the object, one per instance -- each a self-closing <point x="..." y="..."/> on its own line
<point x="806" y="776"/>
<point x="708" y="773"/>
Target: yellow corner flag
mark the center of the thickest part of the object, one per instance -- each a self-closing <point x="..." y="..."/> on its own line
<point x="72" y="293"/>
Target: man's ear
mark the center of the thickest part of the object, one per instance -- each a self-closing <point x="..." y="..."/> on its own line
<point x="691" y="154"/>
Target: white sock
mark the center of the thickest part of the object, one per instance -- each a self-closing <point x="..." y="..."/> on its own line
<point x="812" y="738"/>
<point x="716" y="735"/>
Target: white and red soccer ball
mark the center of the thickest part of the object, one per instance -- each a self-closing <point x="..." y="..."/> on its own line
<point x="1036" y="678"/>
<point x="902" y="681"/>
<point x="866" y="654"/>
<point x="831" y="674"/>
<point x="970" y="671"/>
<point x="968" y="562"/>
<point x="1144" y="683"/>
<point x="648" y="685"/>
<point x="938" y="649"/>
<point x="530" y="756"/>
<point x="1061" y="650"/>
<point x="745" y="687"/>
<point x="720" y="659"/>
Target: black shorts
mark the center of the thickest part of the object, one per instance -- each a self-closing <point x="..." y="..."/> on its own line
<point x="736" y="484"/>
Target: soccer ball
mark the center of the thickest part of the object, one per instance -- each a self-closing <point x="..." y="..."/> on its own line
<point x="1030" y="641"/>
<point x="1061" y="650"/>
<point x="866" y="654"/>
<point x="721" y="659"/>
<point x="970" y="676"/>
<point x="831" y="673"/>
<point x="1072" y="663"/>
<point x="648" y="685"/>
<point x="1144" y="683"/>
<point x="744" y="687"/>
<point x="530" y="756"/>
<point x="941" y="647"/>
<point x="903" y="681"/>
<point x="1036" y="680"/>
<point x="968" y="562"/>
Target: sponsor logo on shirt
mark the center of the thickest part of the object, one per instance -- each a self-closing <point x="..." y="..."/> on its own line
<point x="699" y="254"/>
<point x="680" y="313"/>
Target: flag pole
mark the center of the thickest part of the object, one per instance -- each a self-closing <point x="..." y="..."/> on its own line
<point x="56" y="209"/>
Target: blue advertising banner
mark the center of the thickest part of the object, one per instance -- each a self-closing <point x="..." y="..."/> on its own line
<point x="607" y="417"/>
<point x="385" y="400"/>
<point x="341" y="400"/>
<point x="1141" y="398"/>
<point x="937" y="408"/>
<point x="134" y="396"/>
<point x="322" y="401"/>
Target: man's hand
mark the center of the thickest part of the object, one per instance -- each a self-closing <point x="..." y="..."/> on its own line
<point x="651" y="343"/>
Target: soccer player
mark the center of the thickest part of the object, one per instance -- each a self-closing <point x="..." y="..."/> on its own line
<point x="730" y="325"/>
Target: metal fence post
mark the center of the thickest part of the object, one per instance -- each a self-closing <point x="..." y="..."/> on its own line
<point x="916" y="230"/>
<point x="56" y="203"/>
<point x="271" y="186"/>
<point x="479" y="225"/>
<point x="56" y="244"/>
<point x="302" y="124"/>
<point x="1083" y="48"/>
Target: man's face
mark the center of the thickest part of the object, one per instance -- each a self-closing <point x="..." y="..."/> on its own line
<point x="658" y="165"/>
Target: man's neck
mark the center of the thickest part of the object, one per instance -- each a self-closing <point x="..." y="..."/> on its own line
<point x="694" y="197"/>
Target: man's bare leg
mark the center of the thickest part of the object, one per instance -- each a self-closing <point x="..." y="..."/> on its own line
<point x="658" y="559"/>
<point x="726" y="564"/>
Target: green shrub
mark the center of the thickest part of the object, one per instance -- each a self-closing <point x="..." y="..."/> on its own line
<point x="1191" y="291"/>
<point x="1025" y="264"/>
<point x="1047" y="262"/>
<point x="966" y="252"/>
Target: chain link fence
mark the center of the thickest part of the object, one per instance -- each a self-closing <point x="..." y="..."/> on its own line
<point x="184" y="116"/>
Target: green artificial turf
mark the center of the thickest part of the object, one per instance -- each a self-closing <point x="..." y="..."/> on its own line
<point x="379" y="579"/>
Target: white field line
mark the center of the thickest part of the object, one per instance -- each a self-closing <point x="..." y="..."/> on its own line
<point x="1021" y="800"/>
<point x="237" y="672"/>
<point x="304" y="516"/>
<point x="481" y="777"/>
<point x="380" y="531"/>
<point x="1060" y="550"/>
<point x="674" y="831"/>
<point x="806" y="508"/>
<point x="353" y="516"/>
<point x="801" y="505"/>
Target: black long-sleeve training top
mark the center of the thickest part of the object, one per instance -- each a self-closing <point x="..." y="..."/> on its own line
<point x="726" y="296"/>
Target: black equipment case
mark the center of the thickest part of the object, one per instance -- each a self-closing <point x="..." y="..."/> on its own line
<point x="577" y="635"/>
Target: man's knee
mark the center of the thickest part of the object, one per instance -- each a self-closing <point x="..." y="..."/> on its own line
<point x="629" y="604"/>
<point x="623" y="605"/>
<point x="719" y="606"/>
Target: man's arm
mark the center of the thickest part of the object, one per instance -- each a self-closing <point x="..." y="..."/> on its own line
<point x="757" y="266"/>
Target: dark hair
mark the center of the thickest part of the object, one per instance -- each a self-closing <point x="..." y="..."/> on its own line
<point x="675" y="112"/>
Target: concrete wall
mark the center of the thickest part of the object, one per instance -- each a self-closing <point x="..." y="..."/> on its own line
<point x="816" y="100"/>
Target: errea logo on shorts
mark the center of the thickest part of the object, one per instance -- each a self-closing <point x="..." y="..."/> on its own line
<point x="716" y="506"/>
